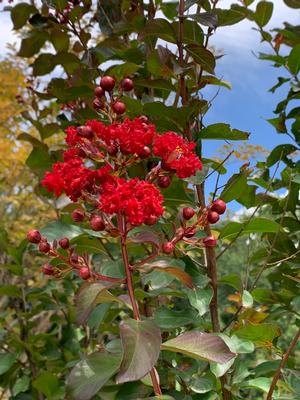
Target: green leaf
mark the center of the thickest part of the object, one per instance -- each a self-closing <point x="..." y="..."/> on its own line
<point x="10" y="290"/>
<point x="202" y="56"/>
<point x="59" y="229"/>
<point x="262" y="384"/>
<point x="228" y="17"/>
<point x="280" y="153"/>
<point x="7" y="360"/>
<point x="256" y="225"/>
<point x="88" y="296"/>
<point x="170" y="319"/>
<point x="20" y="14"/>
<point x="292" y="3"/>
<point x="232" y="280"/>
<point x="294" y="60"/>
<point x="263" y="13"/>
<point x="199" y="345"/>
<point x="32" y="44"/>
<point x="90" y="374"/>
<point x="21" y="385"/>
<point x="160" y="28"/>
<point x="48" y="384"/>
<point x="234" y="188"/>
<point x="222" y="131"/>
<point x="141" y="343"/>
<point x="220" y="369"/>
<point x="121" y="70"/>
<point x="60" y="40"/>
<point x="44" y="64"/>
<point x="202" y="384"/>
<point x="200" y="299"/>
<point x="261" y="334"/>
<point x="247" y="299"/>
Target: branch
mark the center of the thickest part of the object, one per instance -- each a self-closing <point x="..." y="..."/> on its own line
<point x="282" y="365"/>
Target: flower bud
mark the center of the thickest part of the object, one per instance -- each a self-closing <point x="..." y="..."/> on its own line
<point x="34" y="236"/>
<point x="84" y="273"/>
<point x="218" y="206"/>
<point x="98" y="104"/>
<point x="99" y="92"/>
<point x="190" y="232"/>
<point x="107" y="83"/>
<point x="119" y="107"/>
<point x="145" y="153"/>
<point x="127" y="84"/>
<point x="44" y="247"/>
<point x="188" y="213"/>
<point x="213" y="217"/>
<point x="85" y="131"/>
<point x="168" y="247"/>
<point x="97" y="223"/>
<point x="48" y="269"/>
<point x="78" y="215"/>
<point x="64" y="243"/>
<point x="209" y="241"/>
<point x="164" y="181"/>
<point x="74" y="258"/>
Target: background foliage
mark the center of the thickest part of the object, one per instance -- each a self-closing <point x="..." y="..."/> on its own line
<point x="61" y="56"/>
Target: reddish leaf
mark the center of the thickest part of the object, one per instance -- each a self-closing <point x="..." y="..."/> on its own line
<point x="205" y="346"/>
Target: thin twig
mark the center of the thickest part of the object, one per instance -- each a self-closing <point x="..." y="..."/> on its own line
<point x="282" y="365"/>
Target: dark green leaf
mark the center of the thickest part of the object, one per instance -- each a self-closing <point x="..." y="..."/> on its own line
<point x="262" y="334"/>
<point x="294" y="60"/>
<point x="202" y="56"/>
<point x="90" y="374"/>
<point x="32" y="44"/>
<point x="263" y="13"/>
<point x="234" y="187"/>
<point x="292" y="3"/>
<point x="6" y="361"/>
<point x="256" y="225"/>
<point x="48" y="384"/>
<point x="20" y="14"/>
<point x="222" y="131"/>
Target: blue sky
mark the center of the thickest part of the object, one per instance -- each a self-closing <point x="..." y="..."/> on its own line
<point x="248" y="104"/>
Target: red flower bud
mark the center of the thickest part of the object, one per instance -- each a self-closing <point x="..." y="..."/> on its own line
<point x="164" y="181"/>
<point x="84" y="273"/>
<point x="48" y="269"/>
<point x="85" y="131"/>
<point x="97" y="223"/>
<point x="213" y="217"/>
<point x="44" y="247"/>
<point x="107" y="83"/>
<point x="168" y="247"/>
<point x="34" y="236"/>
<point x="218" y="206"/>
<point x="119" y="107"/>
<point x="145" y="153"/>
<point x="78" y="215"/>
<point x="127" y="84"/>
<point x="190" y="232"/>
<point x="188" y="213"/>
<point x="99" y="92"/>
<point x="151" y="220"/>
<point x="209" y="241"/>
<point x="64" y="243"/>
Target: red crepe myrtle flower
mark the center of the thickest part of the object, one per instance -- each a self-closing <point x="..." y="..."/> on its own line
<point x="130" y="136"/>
<point x="72" y="178"/>
<point x="137" y="199"/>
<point x="177" y="154"/>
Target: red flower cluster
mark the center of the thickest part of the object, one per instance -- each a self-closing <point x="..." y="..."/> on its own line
<point x="141" y="202"/>
<point x="130" y="137"/>
<point x="72" y="178"/>
<point x="177" y="154"/>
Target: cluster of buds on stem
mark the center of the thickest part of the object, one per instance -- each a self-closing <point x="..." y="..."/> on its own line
<point x="69" y="260"/>
<point x="108" y="100"/>
<point x="187" y="231"/>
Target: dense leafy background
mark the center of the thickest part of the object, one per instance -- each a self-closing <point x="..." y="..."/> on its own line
<point x="45" y="333"/>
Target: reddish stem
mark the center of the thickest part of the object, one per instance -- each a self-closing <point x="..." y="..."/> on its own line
<point x="136" y="313"/>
